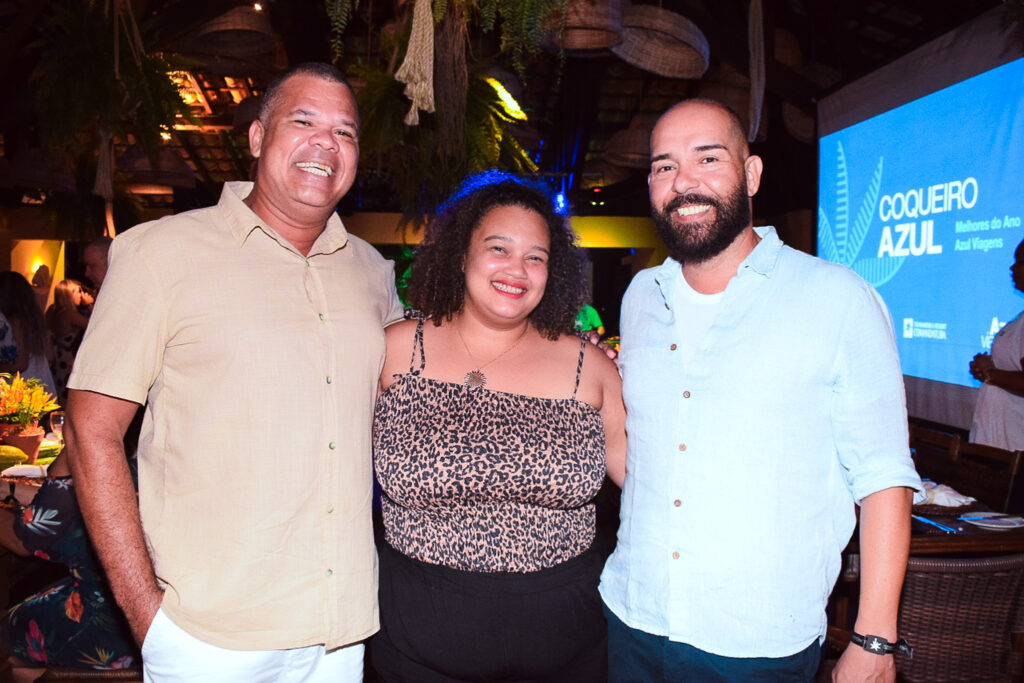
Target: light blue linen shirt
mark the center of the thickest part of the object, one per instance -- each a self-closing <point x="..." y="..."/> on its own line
<point x="744" y="467"/>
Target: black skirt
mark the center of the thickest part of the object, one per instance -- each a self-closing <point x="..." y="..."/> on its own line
<point x="441" y="624"/>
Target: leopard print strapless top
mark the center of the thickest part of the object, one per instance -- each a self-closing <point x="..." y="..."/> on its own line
<point x="483" y="480"/>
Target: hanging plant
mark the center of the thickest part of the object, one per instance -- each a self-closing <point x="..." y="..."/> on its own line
<point x="94" y="83"/>
<point x="522" y="23"/>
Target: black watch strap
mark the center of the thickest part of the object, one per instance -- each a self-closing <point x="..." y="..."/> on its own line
<point x="880" y="646"/>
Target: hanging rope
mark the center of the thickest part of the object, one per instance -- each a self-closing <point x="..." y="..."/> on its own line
<point x="417" y="71"/>
<point x="755" y="43"/>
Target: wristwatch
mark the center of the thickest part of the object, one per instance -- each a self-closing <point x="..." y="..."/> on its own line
<point x="877" y="645"/>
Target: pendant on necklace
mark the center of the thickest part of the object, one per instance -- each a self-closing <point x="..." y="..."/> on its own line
<point x="475" y="379"/>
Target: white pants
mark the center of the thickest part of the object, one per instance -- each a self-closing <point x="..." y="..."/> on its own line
<point x="170" y="655"/>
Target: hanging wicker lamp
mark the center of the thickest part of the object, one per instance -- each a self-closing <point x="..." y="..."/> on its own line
<point x="630" y="148"/>
<point x="591" y="24"/>
<point x="239" y="33"/>
<point x="662" y="42"/>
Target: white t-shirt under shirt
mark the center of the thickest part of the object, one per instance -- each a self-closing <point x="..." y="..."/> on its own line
<point x="695" y="313"/>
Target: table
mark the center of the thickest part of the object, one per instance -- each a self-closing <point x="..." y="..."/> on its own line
<point x="969" y="540"/>
<point x="22" y="489"/>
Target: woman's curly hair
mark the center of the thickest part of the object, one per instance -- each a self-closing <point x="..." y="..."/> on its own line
<point x="438" y="283"/>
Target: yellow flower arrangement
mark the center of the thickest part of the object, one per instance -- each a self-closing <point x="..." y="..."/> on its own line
<point x="23" y="401"/>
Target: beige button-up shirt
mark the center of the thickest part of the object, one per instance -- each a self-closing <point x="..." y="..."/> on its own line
<point x="258" y="367"/>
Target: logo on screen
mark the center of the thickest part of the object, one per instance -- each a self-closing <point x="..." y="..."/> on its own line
<point x="908" y="328"/>
<point x="841" y="239"/>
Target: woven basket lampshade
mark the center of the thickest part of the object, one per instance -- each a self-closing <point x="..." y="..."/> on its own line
<point x="239" y="33"/>
<point x="591" y="24"/>
<point x="171" y="169"/>
<point x="630" y="148"/>
<point x="662" y="42"/>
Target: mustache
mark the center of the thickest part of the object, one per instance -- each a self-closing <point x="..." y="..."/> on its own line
<point x="690" y="198"/>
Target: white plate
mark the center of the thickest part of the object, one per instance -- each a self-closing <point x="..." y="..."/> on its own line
<point x="25" y="471"/>
<point x="997" y="522"/>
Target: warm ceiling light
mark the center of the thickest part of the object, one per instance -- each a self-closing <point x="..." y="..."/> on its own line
<point x="257" y="6"/>
<point x="165" y="136"/>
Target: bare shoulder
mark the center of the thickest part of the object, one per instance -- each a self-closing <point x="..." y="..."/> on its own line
<point x="399" y="338"/>
<point x="596" y="361"/>
<point x="400" y="332"/>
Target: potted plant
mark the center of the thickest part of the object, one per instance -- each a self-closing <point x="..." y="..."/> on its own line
<point x="22" y="402"/>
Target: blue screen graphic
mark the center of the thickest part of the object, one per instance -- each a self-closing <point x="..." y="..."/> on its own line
<point x="925" y="202"/>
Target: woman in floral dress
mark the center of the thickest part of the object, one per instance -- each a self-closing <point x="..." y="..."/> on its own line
<point x="74" y="622"/>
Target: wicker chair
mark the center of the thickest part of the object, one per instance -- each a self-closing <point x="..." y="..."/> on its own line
<point x="959" y="614"/>
<point x="985" y="472"/>
<point x="934" y="452"/>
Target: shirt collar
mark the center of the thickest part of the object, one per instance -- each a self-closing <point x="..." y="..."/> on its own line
<point x="243" y="222"/>
<point x="761" y="260"/>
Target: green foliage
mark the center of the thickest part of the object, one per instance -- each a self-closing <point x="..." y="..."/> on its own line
<point x="423" y="172"/>
<point x="524" y="23"/>
<point x="78" y="91"/>
<point x="338" y="14"/>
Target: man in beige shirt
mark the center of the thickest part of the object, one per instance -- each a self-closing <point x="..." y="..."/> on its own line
<point x="252" y="331"/>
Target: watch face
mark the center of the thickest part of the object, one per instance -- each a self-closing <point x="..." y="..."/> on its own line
<point x="875" y="644"/>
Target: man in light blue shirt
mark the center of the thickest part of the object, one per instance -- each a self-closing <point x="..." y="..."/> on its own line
<point x="764" y="401"/>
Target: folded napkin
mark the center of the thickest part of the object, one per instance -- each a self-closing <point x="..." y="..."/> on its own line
<point x="24" y="471"/>
<point x="940" y="494"/>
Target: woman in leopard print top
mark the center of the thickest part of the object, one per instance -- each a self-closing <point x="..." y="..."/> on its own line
<point x="493" y="433"/>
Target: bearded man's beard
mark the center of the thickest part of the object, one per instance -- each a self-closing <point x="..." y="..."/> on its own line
<point x="699" y="242"/>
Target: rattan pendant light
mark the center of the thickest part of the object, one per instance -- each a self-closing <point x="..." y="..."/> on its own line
<point x="662" y="42"/>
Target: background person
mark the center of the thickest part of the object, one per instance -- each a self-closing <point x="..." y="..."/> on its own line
<point x="67" y="323"/>
<point x="94" y="257"/>
<point x="75" y="621"/>
<point x="999" y="411"/>
<point x="588" y="319"/>
<point x="493" y="433"/>
<point x="18" y="304"/>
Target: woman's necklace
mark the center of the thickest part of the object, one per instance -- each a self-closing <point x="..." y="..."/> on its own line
<point x="476" y="378"/>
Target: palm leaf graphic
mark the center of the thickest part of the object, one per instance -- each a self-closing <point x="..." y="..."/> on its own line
<point x="878" y="271"/>
<point x="866" y="212"/>
<point x="825" y="237"/>
<point x="842" y="207"/>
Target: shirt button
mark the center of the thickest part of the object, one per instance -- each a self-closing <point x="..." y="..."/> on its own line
<point x="328" y="379"/>
<point x="682" y="446"/>
<point x="677" y="502"/>
<point x="320" y="315"/>
<point x="672" y="348"/>
<point x="686" y="394"/>
<point x="330" y="572"/>
<point x="331" y="445"/>
<point x="330" y="509"/>
<point x="675" y="556"/>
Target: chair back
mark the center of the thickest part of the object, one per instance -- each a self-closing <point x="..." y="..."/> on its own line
<point x="934" y="452"/>
<point x="985" y="472"/>
<point x="958" y="614"/>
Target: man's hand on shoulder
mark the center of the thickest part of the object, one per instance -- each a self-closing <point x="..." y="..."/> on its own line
<point x="594" y="338"/>
<point x="857" y="665"/>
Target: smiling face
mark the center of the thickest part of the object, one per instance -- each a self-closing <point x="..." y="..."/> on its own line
<point x="701" y="181"/>
<point x="308" y="150"/>
<point x="506" y="264"/>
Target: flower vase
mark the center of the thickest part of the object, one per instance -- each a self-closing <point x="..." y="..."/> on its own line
<point x="27" y="440"/>
<point x="8" y="428"/>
